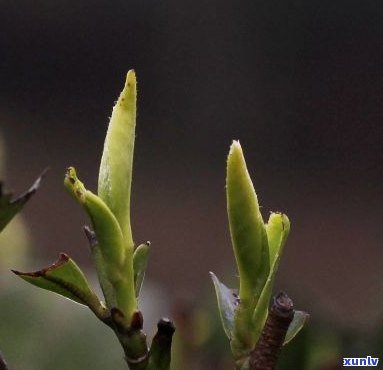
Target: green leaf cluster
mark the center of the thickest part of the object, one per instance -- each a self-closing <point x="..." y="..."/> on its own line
<point x="119" y="263"/>
<point x="257" y="249"/>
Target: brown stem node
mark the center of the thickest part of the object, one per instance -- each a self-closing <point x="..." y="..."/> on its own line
<point x="137" y="322"/>
<point x="266" y="352"/>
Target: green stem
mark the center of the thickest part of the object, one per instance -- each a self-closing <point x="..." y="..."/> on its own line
<point x="131" y="338"/>
<point x="125" y="291"/>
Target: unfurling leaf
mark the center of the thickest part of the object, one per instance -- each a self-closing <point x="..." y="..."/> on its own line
<point x="65" y="278"/>
<point x="299" y="320"/>
<point x="105" y="224"/>
<point x="140" y="260"/>
<point x="227" y="302"/>
<point x="115" y="176"/>
<point x="113" y="261"/>
<point x="9" y="208"/>
<point x="277" y="228"/>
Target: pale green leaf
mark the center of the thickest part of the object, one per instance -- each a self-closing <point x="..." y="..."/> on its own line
<point x="227" y="304"/>
<point x="140" y="260"/>
<point x="299" y="320"/>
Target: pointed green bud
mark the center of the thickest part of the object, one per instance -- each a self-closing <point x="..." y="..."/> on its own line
<point x="115" y="176"/>
<point x="249" y="240"/>
<point x="247" y="229"/>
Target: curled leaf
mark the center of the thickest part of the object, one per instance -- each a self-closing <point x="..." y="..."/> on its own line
<point x="105" y="224"/>
<point x="112" y="259"/>
<point x="65" y="278"/>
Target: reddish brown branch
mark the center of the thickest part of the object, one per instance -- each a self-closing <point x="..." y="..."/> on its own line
<point x="266" y="353"/>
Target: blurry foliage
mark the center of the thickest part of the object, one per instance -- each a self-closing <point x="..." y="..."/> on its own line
<point x="14" y="244"/>
<point x="200" y="342"/>
<point x="38" y="330"/>
<point x="33" y="321"/>
<point x="15" y="237"/>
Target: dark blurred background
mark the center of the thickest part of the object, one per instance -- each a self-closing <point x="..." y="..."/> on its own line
<point x="299" y="83"/>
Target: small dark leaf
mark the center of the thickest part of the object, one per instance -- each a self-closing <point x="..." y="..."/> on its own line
<point x="9" y="208"/>
<point x="91" y="236"/>
<point x="160" y="350"/>
<point x="227" y="303"/>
